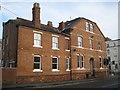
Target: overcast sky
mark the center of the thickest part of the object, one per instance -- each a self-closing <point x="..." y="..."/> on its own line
<point x="103" y="12"/>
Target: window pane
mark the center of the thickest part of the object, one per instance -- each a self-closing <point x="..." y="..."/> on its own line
<point x="54" y="60"/>
<point x="36" y="59"/>
<point x="67" y="63"/>
<point x="91" y="27"/>
<point x="90" y="43"/>
<point x="54" y="42"/>
<point x="37" y="39"/>
<point x="54" y="63"/>
<point x="36" y="66"/>
<point x="80" y="41"/>
<point x="100" y="62"/>
<point x="82" y="61"/>
<point x="87" y="26"/>
<point x="78" y="64"/>
<point x="54" y="66"/>
<point x="53" y="39"/>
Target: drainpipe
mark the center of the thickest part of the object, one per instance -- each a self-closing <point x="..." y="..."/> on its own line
<point x="70" y="58"/>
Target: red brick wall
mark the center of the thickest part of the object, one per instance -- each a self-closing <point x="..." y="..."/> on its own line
<point x="42" y="78"/>
<point x="80" y="30"/>
<point x="26" y="53"/>
<point x="8" y="75"/>
<point x="10" y="31"/>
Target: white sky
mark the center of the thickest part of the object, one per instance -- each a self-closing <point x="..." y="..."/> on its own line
<point x="103" y="12"/>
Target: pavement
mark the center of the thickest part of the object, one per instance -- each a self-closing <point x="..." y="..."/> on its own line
<point x="43" y="84"/>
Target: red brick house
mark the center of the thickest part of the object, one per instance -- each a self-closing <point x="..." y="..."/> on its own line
<point x="43" y="53"/>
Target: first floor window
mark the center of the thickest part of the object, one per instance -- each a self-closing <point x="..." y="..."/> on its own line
<point x="37" y="39"/>
<point x="79" y="41"/>
<point x="100" y="58"/>
<point x="55" y="63"/>
<point x="91" y="44"/>
<point x="99" y="45"/>
<point x="78" y="61"/>
<point x="37" y="62"/>
<point x="67" y="64"/>
<point x="83" y="61"/>
<point x="55" y="42"/>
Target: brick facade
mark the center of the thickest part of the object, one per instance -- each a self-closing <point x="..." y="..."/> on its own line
<point x="22" y="50"/>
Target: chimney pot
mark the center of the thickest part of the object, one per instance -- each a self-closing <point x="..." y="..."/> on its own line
<point x="36" y="5"/>
<point x="50" y="24"/>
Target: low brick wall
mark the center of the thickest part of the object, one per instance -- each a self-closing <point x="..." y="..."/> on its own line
<point x="100" y="74"/>
<point x="8" y="75"/>
<point x="42" y="78"/>
<point x="80" y="76"/>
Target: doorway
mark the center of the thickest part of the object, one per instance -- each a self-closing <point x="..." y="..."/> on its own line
<point x="92" y="67"/>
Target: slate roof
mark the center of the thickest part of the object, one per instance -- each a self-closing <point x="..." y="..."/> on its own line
<point x="27" y="23"/>
<point x="69" y="24"/>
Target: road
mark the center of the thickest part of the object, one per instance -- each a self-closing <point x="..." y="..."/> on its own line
<point x="111" y="83"/>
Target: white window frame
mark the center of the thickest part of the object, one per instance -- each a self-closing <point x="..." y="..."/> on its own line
<point x="67" y="64"/>
<point x="38" y="39"/>
<point x="78" y="61"/>
<point x="55" y="63"/>
<point x="101" y="62"/>
<point x="91" y="27"/>
<point x="40" y="68"/>
<point x="87" y="26"/>
<point x="80" y="41"/>
<point x="83" y="61"/>
<point x="55" y="43"/>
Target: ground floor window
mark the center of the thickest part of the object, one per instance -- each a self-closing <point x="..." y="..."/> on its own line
<point x="78" y="61"/>
<point x="83" y="61"/>
<point x="37" y="63"/>
<point x="54" y="63"/>
<point x="100" y="58"/>
<point x="67" y="64"/>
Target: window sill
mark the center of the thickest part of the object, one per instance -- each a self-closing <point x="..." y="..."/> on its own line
<point x="67" y="50"/>
<point x="90" y="31"/>
<point x="55" y="70"/>
<point x="80" y="68"/>
<point x="101" y="68"/>
<point x="91" y="49"/>
<point x="37" y="46"/>
<point x="67" y="70"/>
<point x="100" y="50"/>
<point x="80" y="47"/>
<point x="37" y="70"/>
<point x="55" y="48"/>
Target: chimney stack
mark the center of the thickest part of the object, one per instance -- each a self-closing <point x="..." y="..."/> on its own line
<point x="61" y="26"/>
<point x="50" y="24"/>
<point x="36" y="15"/>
